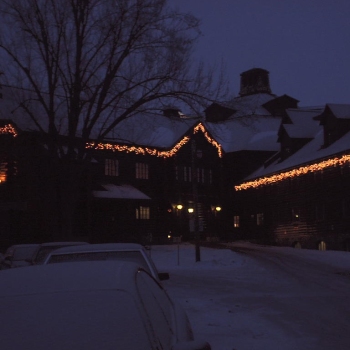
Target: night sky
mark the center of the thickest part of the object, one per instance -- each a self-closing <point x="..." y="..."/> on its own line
<point x="304" y="44"/>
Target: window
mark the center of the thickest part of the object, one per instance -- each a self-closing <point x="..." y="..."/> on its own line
<point x="3" y="171"/>
<point x="201" y="175"/>
<point x="236" y="221"/>
<point x="142" y="171"/>
<point x="322" y="245"/>
<point x="319" y="212"/>
<point x="260" y="219"/>
<point x="210" y="176"/>
<point x="143" y="213"/>
<point x="187" y="173"/>
<point x="111" y="167"/>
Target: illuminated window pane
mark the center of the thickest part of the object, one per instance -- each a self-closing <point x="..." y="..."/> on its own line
<point x="3" y="171"/>
<point x="142" y="171"/>
<point x="236" y="221"/>
<point x="111" y="167"/>
<point x="143" y="213"/>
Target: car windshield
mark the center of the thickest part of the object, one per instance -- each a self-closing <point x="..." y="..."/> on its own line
<point x="133" y="256"/>
<point x="43" y="252"/>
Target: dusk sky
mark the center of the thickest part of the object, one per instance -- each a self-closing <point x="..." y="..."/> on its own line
<point x="304" y="44"/>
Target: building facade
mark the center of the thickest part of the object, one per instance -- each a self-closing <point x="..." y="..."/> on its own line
<point x="256" y="167"/>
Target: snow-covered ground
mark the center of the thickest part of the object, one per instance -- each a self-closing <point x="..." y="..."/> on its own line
<point x="238" y="302"/>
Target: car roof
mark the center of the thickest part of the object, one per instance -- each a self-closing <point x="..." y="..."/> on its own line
<point x="101" y="247"/>
<point x="76" y="276"/>
<point x="50" y="244"/>
<point x="23" y="245"/>
<point x="12" y="248"/>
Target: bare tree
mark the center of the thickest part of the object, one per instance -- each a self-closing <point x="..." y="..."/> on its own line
<point x="83" y="66"/>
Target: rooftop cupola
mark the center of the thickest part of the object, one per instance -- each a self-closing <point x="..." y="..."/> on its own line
<point x="255" y="81"/>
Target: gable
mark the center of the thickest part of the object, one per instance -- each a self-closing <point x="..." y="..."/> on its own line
<point x="158" y="152"/>
<point x="278" y="105"/>
<point x="216" y="112"/>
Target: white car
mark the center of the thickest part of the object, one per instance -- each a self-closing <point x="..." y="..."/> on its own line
<point x="44" y="249"/>
<point x="18" y="255"/>
<point x="90" y="305"/>
<point x="107" y="251"/>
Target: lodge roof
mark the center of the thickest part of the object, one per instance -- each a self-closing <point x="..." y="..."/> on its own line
<point x="312" y="152"/>
<point x="303" y="123"/>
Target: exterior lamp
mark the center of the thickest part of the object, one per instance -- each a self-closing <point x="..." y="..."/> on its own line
<point x="190" y="210"/>
<point x="179" y="206"/>
<point x="218" y="208"/>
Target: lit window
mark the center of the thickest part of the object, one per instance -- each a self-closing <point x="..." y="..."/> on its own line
<point x="3" y="171"/>
<point x="322" y="245"/>
<point x="142" y="171"/>
<point x="111" y="167"/>
<point x="142" y="213"/>
<point x="236" y="221"/>
<point x="260" y="219"/>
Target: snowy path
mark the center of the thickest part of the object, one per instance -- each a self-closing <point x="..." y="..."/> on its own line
<point x="264" y="298"/>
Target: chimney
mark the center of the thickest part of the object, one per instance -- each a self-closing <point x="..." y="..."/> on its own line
<point x="255" y="81"/>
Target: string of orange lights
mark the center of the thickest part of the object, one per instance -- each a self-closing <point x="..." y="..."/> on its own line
<point x="201" y="127"/>
<point x="138" y="149"/>
<point x="295" y="172"/>
<point x="155" y="152"/>
<point x="8" y="129"/>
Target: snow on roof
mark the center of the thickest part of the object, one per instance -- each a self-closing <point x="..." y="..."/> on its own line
<point x="341" y="111"/>
<point x="304" y="126"/>
<point x="249" y="105"/>
<point x="253" y="134"/>
<point x="119" y="192"/>
<point x="310" y="153"/>
<point x="151" y="130"/>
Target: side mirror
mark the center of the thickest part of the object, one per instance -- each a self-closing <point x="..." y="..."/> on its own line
<point x="163" y="276"/>
<point x="192" y="345"/>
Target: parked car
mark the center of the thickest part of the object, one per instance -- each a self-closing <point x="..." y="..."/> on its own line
<point x="90" y="305"/>
<point x="18" y="255"/>
<point x="107" y="251"/>
<point x="44" y="249"/>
